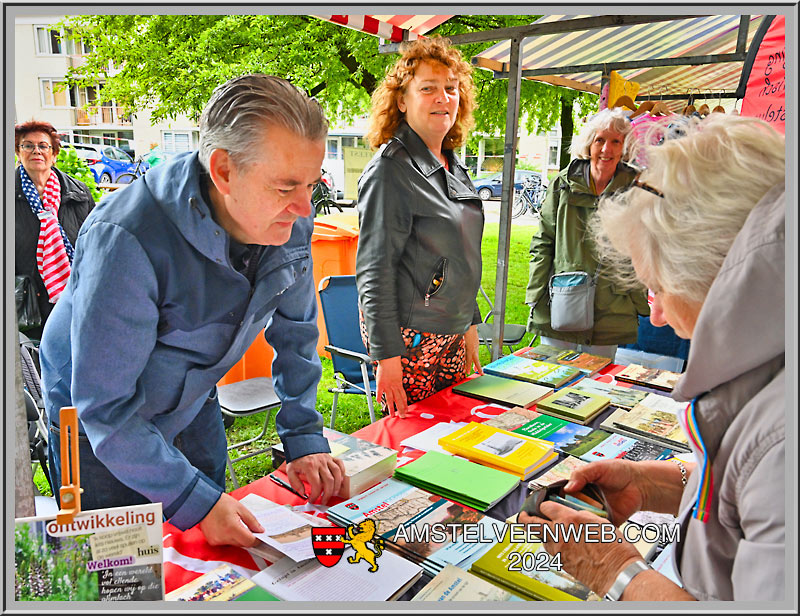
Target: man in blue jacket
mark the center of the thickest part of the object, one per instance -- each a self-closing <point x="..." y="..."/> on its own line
<point x="173" y="278"/>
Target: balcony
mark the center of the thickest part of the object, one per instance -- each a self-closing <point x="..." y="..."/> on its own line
<point x="101" y="116"/>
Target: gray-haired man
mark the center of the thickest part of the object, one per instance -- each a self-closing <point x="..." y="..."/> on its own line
<point x="172" y="280"/>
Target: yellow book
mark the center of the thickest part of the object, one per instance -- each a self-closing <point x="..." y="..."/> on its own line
<point x="501" y="449"/>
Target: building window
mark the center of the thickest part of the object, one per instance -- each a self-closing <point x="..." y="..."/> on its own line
<point x="54" y="93"/>
<point x="552" y="155"/>
<point x="54" y="42"/>
<point x="175" y="142"/>
<point x="332" y="149"/>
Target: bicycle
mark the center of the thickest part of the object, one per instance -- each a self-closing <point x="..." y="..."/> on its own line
<point x="529" y="198"/>
<point x="138" y="171"/>
<point x="323" y="197"/>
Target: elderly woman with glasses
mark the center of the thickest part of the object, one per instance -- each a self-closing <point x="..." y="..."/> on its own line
<point x="50" y="208"/>
<point x="712" y="249"/>
<point x="561" y="243"/>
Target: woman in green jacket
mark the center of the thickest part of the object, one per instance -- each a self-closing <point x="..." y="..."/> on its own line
<point x="562" y="243"/>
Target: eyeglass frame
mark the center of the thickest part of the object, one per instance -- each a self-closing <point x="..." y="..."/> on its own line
<point x="32" y="147"/>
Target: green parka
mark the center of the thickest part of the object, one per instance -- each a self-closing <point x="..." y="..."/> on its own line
<point x="563" y="244"/>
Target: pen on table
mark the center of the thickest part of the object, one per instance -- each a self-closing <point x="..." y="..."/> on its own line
<point x="286" y="486"/>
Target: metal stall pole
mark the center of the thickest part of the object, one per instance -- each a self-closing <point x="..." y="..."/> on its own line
<point x="509" y="168"/>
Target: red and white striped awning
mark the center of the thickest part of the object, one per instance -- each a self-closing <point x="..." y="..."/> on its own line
<point x="389" y="27"/>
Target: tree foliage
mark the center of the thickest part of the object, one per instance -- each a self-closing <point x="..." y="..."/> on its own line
<point x="171" y="63"/>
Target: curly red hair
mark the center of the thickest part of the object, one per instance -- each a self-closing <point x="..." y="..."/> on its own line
<point x="385" y="116"/>
<point x="36" y="126"/>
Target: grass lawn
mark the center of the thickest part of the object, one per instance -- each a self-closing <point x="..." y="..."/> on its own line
<point x="352" y="411"/>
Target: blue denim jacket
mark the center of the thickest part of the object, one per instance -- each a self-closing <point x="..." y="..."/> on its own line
<point x="153" y="317"/>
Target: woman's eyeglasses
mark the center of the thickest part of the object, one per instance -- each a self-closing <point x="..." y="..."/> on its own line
<point x="30" y="147"/>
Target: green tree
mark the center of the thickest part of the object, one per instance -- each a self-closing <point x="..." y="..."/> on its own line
<point x="171" y="63"/>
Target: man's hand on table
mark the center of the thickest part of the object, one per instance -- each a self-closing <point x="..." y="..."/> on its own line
<point x="321" y="471"/>
<point x="230" y="523"/>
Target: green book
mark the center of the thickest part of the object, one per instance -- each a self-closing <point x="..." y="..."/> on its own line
<point x="458" y="479"/>
<point x="505" y="391"/>
<point x="516" y="567"/>
<point x="573" y="404"/>
<point x="256" y="594"/>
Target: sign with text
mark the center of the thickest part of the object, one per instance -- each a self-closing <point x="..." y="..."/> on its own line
<point x="765" y="96"/>
<point x="355" y="159"/>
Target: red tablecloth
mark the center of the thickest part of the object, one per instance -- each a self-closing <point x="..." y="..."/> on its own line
<point x="186" y="553"/>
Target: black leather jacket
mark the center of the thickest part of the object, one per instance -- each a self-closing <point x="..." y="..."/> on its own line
<point x="419" y="224"/>
<point x="76" y="203"/>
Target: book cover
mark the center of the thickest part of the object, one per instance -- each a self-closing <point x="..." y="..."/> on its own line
<point x="558" y="431"/>
<point x="393" y="503"/>
<point x="513" y="419"/>
<point x="542" y="352"/>
<point x="612" y="447"/>
<point x="656" y="423"/>
<point x="585" y="442"/>
<point x="510" y="392"/>
<point x="454" y="584"/>
<point x="574" y="405"/>
<point x="642" y="450"/>
<point x="500" y="565"/>
<point x="656" y="378"/>
<point x="110" y="554"/>
<point x="223" y="583"/>
<point x="585" y="362"/>
<point x="621" y="397"/>
<point x="614" y="423"/>
<point x="502" y="449"/>
<point x="560" y="471"/>
<point x="532" y="371"/>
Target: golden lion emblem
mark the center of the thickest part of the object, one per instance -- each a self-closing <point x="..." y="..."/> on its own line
<point x="358" y="536"/>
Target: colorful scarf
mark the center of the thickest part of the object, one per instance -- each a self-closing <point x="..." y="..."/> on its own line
<point x="54" y="251"/>
<point x="702" y="507"/>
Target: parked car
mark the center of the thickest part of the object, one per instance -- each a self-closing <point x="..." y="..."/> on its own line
<point x="107" y="162"/>
<point x="491" y="186"/>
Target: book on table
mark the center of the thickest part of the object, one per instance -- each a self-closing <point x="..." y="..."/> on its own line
<point x="511" y="392"/>
<point x="475" y="485"/>
<point x="574" y="405"/>
<point x="626" y="448"/>
<point x="224" y="583"/>
<point x="513" y="419"/>
<point x="583" y="443"/>
<point x="454" y="584"/>
<point x="588" y="364"/>
<point x="558" y="472"/>
<point x="522" y="568"/>
<point x="654" y="419"/>
<point x="405" y="516"/>
<point x="621" y="397"/>
<point x="532" y="371"/>
<point x="656" y="378"/>
<point x="496" y="448"/>
<point x="558" y="431"/>
<point x="365" y="463"/>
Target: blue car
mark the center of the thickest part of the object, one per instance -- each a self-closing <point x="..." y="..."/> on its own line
<point x="491" y="186"/>
<point x="107" y="162"/>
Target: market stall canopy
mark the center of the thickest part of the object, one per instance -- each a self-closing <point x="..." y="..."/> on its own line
<point x="394" y="28"/>
<point x="577" y="59"/>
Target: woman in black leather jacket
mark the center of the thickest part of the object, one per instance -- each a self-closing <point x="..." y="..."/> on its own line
<point x="418" y="266"/>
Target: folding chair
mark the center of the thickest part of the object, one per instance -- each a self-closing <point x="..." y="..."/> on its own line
<point x="352" y="366"/>
<point x="512" y="332"/>
<point x="243" y="398"/>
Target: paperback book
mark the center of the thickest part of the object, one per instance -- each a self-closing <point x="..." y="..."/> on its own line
<point x="475" y="485"/>
<point x="510" y="392"/>
<point x="454" y="584"/>
<point x="655" y="419"/>
<point x="513" y="419"/>
<point x="221" y="584"/>
<point x="365" y="463"/>
<point x="541" y="352"/>
<point x="501" y="565"/>
<point x="584" y="443"/>
<point x="560" y="471"/>
<point x="621" y="397"/>
<point x="656" y="378"/>
<point x="404" y="515"/>
<point x="588" y="364"/>
<point x="613" y="423"/>
<point x="558" y="431"/>
<point x="110" y="554"/>
<point x="506" y="451"/>
<point x="532" y="371"/>
<point x="573" y="405"/>
<point x="612" y="447"/>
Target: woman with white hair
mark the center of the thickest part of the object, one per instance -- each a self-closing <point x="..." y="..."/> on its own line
<point x="562" y="244"/>
<point x="704" y="229"/>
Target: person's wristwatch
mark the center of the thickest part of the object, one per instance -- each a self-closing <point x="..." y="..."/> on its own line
<point x="624" y="578"/>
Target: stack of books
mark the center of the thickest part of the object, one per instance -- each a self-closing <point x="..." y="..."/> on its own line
<point x="522" y="456"/>
<point x="654" y="419"/>
<point x="534" y="583"/>
<point x="588" y="364"/>
<point x="655" y="378"/>
<point x="621" y="397"/>
<point x="573" y="405"/>
<point x="365" y="463"/>
<point x="406" y="518"/>
<point x="475" y="485"/>
<point x="510" y="392"/>
<point x="532" y="371"/>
